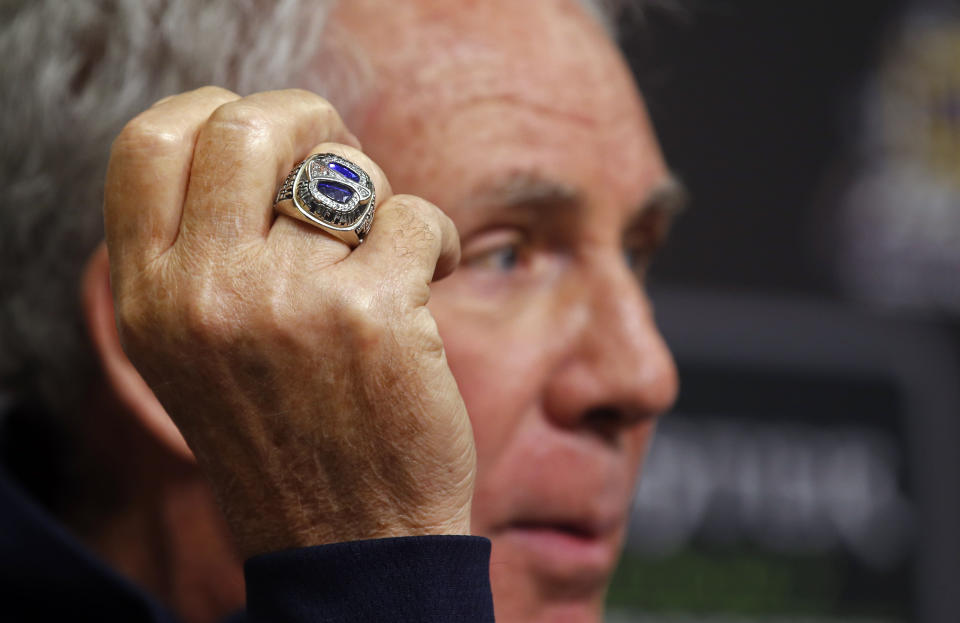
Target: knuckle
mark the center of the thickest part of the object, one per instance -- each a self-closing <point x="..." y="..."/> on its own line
<point x="427" y="334"/>
<point x="243" y="115"/>
<point x="445" y="222"/>
<point x="357" y="318"/>
<point x="277" y="319"/>
<point x="138" y="319"/>
<point x="318" y="107"/>
<point x="132" y="317"/>
<point x="242" y="125"/>
<point x="144" y="134"/>
<point x="418" y="224"/>
<point x="416" y="207"/>
<point x="215" y="93"/>
<point x="203" y="320"/>
<point x="318" y="103"/>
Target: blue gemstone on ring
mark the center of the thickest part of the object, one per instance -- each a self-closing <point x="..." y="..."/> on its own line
<point x="335" y="191"/>
<point x="344" y="171"/>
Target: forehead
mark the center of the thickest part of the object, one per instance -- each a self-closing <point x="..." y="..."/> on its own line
<point x="434" y="54"/>
<point x="498" y="74"/>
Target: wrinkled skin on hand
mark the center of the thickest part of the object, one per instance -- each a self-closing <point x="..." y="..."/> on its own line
<point x="309" y="381"/>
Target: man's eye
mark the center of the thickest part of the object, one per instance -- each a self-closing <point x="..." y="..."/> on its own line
<point x="641" y="243"/>
<point x="637" y="259"/>
<point x="497" y="251"/>
<point x="502" y="258"/>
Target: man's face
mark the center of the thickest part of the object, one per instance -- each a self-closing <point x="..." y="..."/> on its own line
<point x="521" y="121"/>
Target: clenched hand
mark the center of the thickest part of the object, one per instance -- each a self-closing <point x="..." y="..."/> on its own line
<point x="309" y="381"/>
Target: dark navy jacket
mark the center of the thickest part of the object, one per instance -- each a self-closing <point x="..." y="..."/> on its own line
<point x="47" y="575"/>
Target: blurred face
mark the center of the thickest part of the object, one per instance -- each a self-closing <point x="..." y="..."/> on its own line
<point x="520" y="120"/>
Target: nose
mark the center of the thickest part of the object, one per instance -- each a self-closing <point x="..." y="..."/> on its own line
<point x="617" y="371"/>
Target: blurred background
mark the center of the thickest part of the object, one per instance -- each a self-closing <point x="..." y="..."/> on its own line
<point x="810" y="470"/>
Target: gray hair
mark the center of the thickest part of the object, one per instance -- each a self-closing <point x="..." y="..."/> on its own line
<point x="73" y="73"/>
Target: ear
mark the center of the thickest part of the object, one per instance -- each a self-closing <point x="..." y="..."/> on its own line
<point x="128" y="387"/>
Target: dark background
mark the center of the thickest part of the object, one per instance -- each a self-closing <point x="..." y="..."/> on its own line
<point x="757" y="106"/>
<point x="753" y="103"/>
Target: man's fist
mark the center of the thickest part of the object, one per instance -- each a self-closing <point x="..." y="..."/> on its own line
<point x="309" y="381"/>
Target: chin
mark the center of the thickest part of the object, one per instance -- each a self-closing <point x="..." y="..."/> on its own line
<point x="545" y="576"/>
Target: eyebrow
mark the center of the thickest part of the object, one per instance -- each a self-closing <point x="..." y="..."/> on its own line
<point x="530" y="190"/>
<point x="669" y="197"/>
<point x="526" y="188"/>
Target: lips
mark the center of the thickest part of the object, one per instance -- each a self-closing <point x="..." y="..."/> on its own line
<point x="557" y="513"/>
<point x="586" y="525"/>
<point x="580" y="552"/>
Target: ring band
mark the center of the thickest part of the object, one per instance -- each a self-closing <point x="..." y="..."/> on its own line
<point x="331" y="193"/>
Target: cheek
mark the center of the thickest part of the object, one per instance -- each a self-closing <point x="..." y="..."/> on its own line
<point x="496" y="366"/>
<point x="501" y="351"/>
<point x="637" y="446"/>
